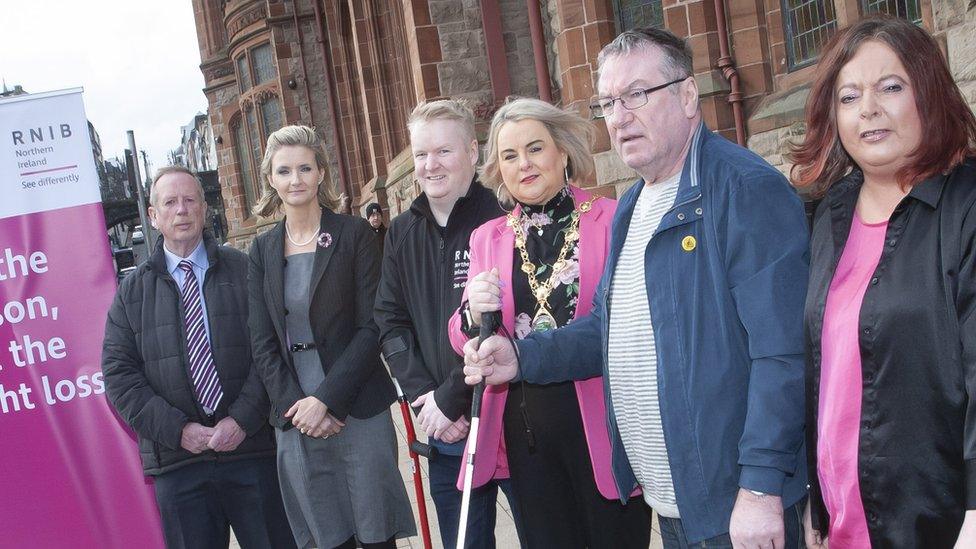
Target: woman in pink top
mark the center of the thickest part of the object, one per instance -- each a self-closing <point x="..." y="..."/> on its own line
<point x="540" y="266"/>
<point x="891" y="305"/>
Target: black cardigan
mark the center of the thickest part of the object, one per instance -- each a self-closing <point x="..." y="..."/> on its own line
<point x="344" y="277"/>
<point x="917" y="336"/>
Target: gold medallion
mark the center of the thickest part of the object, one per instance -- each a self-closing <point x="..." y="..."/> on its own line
<point x="543" y="321"/>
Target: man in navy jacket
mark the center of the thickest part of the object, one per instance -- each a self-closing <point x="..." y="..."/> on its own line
<point x="697" y="323"/>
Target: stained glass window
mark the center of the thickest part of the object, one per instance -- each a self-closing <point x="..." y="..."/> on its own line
<point x="244" y="163"/>
<point x="243" y="73"/>
<point x="908" y="9"/>
<point x="259" y="119"/>
<point x="263" y="61"/>
<point x="632" y="14"/>
<point x="270" y="116"/>
<point x="808" y="23"/>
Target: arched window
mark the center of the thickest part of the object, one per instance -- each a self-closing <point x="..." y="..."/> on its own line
<point x="632" y="14"/>
<point x="244" y="165"/>
<point x="260" y="115"/>
<point x="808" y="24"/>
<point x="251" y="131"/>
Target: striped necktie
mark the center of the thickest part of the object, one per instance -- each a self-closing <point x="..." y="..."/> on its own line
<point x="202" y="368"/>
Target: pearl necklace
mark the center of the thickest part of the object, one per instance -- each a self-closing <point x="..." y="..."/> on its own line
<point x="300" y="244"/>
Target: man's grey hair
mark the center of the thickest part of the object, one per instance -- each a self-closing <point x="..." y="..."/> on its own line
<point x="677" y="54"/>
<point x="166" y="170"/>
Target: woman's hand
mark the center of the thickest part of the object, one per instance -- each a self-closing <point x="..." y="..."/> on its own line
<point x="330" y="426"/>
<point x="307" y="415"/>
<point x="813" y="538"/>
<point x="484" y="294"/>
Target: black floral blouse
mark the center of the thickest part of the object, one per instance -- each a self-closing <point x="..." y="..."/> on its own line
<point x="545" y="228"/>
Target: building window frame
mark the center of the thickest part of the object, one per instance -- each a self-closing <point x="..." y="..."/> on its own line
<point x="245" y="169"/>
<point x="254" y="121"/>
<point x="247" y="72"/>
<point x="619" y="8"/>
<point x="820" y="31"/>
<point x="902" y="8"/>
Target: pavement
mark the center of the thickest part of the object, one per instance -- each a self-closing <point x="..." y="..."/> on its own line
<point x="505" y="536"/>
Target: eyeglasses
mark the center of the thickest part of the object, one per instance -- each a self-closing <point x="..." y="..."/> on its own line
<point x="602" y="107"/>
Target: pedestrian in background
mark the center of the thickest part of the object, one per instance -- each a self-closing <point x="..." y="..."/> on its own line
<point x="891" y="308"/>
<point x="374" y="214"/>
<point x="178" y="369"/>
<point x="312" y="283"/>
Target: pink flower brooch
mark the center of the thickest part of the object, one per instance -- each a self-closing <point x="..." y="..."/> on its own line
<point x="325" y="240"/>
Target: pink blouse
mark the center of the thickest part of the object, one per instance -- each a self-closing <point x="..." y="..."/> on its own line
<point x="840" y="386"/>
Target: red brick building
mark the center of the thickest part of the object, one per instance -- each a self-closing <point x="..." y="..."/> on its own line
<point x="355" y="68"/>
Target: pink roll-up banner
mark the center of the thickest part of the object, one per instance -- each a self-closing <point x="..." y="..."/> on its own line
<point x="70" y="474"/>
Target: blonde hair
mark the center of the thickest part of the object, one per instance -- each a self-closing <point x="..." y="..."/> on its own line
<point x="571" y="133"/>
<point x="443" y="109"/>
<point x="166" y="170"/>
<point x="291" y="136"/>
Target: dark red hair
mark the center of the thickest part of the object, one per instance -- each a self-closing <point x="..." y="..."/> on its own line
<point x="948" y="124"/>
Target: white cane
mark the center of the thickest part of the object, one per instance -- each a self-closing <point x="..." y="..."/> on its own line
<point x="489" y="323"/>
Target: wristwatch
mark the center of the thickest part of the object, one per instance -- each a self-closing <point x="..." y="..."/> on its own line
<point x="467" y="321"/>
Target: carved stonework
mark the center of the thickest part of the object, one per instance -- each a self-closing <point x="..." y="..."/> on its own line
<point x="219" y="70"/>
<point x="246" y="19"/>
<point x="264" y="94"/>
<point x="248" y="101"/>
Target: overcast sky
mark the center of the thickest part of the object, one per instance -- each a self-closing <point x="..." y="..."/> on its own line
<point x="138" y="62"/>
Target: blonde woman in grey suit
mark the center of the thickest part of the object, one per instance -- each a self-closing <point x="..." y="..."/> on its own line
<point x="312" y="281"/>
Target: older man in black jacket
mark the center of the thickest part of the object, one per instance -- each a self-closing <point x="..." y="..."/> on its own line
<point x="177" y="368"/>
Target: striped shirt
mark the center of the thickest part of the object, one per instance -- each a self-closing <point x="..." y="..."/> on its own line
<point x="632" y="355"/>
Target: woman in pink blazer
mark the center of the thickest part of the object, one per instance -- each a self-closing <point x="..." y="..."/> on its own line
<point x="540" y="265"/>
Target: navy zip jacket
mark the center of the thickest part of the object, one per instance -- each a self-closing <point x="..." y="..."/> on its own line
<point x="728" y="317"/>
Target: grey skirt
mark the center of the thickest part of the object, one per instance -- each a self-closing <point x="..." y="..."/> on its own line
<point x="346" y="485"/>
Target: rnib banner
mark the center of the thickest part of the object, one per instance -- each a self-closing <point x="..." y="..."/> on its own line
<point x="69" y="471"/>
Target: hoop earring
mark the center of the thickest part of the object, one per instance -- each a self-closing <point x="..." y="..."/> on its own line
<point x="501" y="201"/>
<point x="566" y="173"/>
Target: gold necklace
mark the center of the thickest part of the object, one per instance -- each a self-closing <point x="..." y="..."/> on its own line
<point x="544" y="319"/>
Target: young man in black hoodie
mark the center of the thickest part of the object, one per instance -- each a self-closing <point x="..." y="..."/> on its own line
<point x="425" y="268"/>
